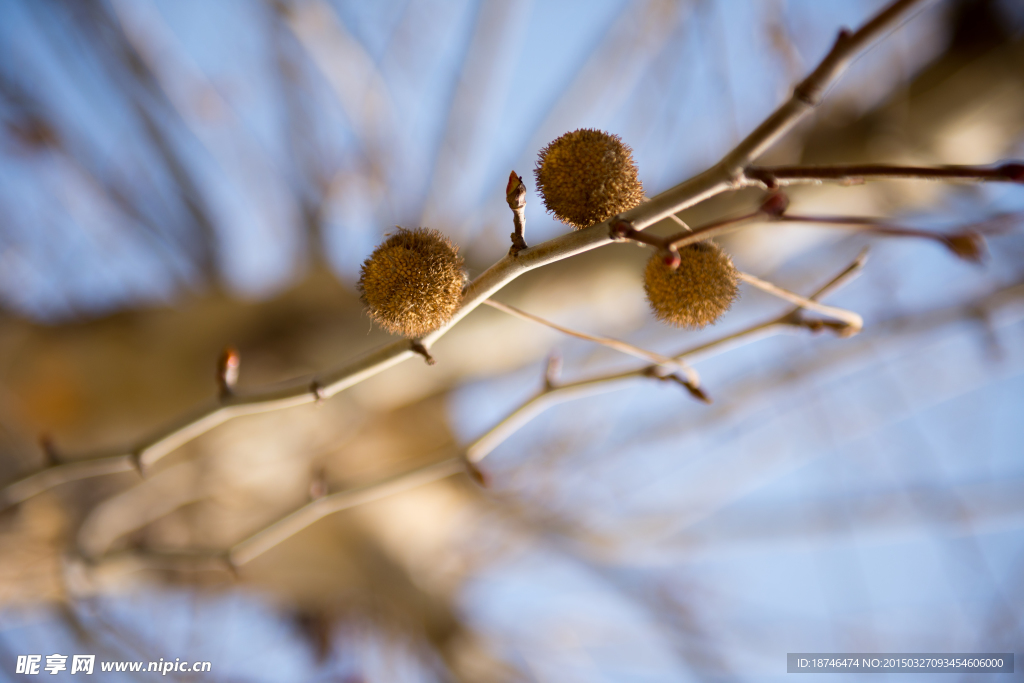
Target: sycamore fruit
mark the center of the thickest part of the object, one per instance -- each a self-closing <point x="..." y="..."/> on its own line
<point x="412" y="283"/>
<point x="697" y="292"/>
<point x="588" y="176"/>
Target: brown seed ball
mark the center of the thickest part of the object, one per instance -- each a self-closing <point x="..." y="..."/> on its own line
<point x="698" y="292"/>
<point x="588" y="176"/>
<point x="412" y="283"/>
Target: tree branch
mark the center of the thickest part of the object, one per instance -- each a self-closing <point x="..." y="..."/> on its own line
<point x="62" y="473"/>
<point x="854" y="323"/>
<point x="551" y="394"/>
<point x="809" y="93"/>
<point x="724" y="176"/>
<point x="618" y="345"/>
<point x="967" y="243"/>
<point x="772" y="177"/>
<point x="263" y="540"/>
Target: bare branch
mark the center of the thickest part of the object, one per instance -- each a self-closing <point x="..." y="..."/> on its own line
<point x="245" y="551"/>
<point x="967" y="243"/>
<point x="267" y="538"/>
<point x="772" y="177"/>
<point x="272" y="535"/>
<point x="724" y="176"/>
<point x="62" y="473"/>
<point x="553" y="394"/>
<point x="854" y="322"/>
<point x="693" y="389"/>
<point x="849" y="273"/>
<point x="624" y="347"/>
<point x="808" y="94"/>
<point x="673" y="242"/>
<point x="155" y="446"/>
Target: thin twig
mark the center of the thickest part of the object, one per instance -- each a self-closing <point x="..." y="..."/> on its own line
<point x="673" y="242"/>
<point x="244" y="551"/>
<point x="809" y="94"/>
<point x="623" y="230"/>
<point x="722" y="177"/>
<point x="62" y="473"/>
<point x="854" y="322"/>
<point x="849" y="273"/>
<point x="728" y="173"/>
<point x="618" y="345"/>
<point x="772" y="177"/>
<point x="553" y="394"/>
<point x="270" y="536"/>
<point x="262" y="541"/>
<point x="967" y="244"/>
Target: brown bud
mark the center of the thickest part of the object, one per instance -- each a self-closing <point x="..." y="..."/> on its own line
<point x="697" y="292"/>
<point x="620" y="229"/>
<point x="51" y="458"/>
<point x="477" y="475"/>
<point x="412" y="283"/>
<point x="588" y="176"/>
<point x="970" y="246"/>
<point x="227" y="370"/>
<point x="515" y="191"/>
<point x="775" y="204"/>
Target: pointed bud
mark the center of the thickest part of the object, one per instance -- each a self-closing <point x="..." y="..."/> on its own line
<point x="970" y="246"/>
<point x="697" y="392"/>
<point x="477" y="475"/>
<point x="227" y="370"/>
<point x="515" y="191"/>
<point x="514" y="181"/>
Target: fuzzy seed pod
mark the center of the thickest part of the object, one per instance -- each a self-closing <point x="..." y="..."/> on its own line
<point x="587" y="176"/>
<point x="698" y="292"/>
<point x="412" y="283"/>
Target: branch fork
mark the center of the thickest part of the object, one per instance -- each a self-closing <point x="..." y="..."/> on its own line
<point x="694" y="389"/>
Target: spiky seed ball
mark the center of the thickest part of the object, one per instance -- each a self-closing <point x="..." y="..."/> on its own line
<point x="412" y="283"/>
<point x="695" y="294"/>
<point x="587" y="176"/>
